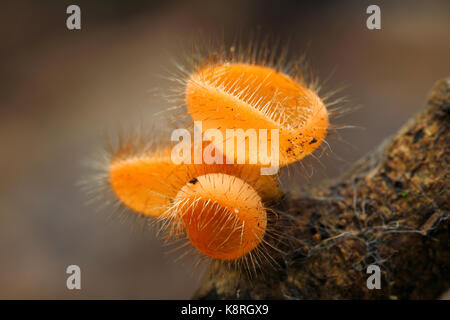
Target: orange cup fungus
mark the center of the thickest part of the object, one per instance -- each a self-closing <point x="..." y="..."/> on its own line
<point x="223" y="216"/>
<point x="247" y="96"/>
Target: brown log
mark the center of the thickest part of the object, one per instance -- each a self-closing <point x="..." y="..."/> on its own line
<point x="391" y="209"/>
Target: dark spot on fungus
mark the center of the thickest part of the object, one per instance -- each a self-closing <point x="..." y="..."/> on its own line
<point x="193" y="181"/>
<point x="314" y="140"/>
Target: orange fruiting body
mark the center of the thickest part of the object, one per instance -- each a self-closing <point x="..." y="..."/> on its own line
<point x="223" y="216"/>
<point x="145" y="184"/>
<point x="248" y="96"/>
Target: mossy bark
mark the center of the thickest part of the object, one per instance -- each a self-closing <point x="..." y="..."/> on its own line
<point x="391" y="209"/>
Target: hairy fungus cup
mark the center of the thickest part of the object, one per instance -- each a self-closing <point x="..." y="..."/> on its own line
<point x="248" y="96"/>
<point x="223" y="216"/>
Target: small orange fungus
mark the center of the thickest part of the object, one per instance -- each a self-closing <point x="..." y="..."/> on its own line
<point x="223" y="216"/>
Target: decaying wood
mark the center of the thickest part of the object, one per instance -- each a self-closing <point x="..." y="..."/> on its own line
<point x="391" y="209"/>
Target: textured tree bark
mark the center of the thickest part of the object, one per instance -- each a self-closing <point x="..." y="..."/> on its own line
<point x="391" y="209"/>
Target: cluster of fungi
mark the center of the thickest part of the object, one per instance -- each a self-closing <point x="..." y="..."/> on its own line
<point x="221" y="209"/>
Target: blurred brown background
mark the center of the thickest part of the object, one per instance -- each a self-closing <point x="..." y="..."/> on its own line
<point x="59" y="89"/>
